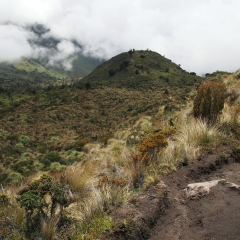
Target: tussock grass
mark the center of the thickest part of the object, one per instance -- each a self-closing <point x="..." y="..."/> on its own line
<point x="49" y="228"/>
<point x="188" y="141"/>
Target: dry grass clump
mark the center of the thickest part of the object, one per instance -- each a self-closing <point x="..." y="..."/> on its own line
<point x="49" y="228"/>
<point x="12" y="217"/>
<point x="81" y="176"/>
<point x="188" y="141"/>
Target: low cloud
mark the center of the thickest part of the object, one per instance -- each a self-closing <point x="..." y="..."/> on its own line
<point x="66" y="52"/>
<point x="202" y="35"/>
<point x="13" y="42"/>
<point x="17" y="42"/>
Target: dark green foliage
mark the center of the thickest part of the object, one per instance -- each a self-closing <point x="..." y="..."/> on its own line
<point x="12" y="138"/>
<point x="111" y="72"/>
<point x="50" y="158"/>
<point x="38" y="206"/>
<point x="24" y="167"/>
<point x="193" y="73"/>
<point x="130" y="52"/>
<point x="209" y="101"/>
<point x="137" y="72"/>
<point x="123" y="65"/>
<point x="87" y="85"/>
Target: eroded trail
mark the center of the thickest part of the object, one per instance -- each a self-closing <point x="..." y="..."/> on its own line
<point x="209" y="209"/>
<point x="178" y="209"/>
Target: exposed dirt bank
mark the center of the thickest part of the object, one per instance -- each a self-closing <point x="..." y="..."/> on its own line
<point x="174" y="210"/>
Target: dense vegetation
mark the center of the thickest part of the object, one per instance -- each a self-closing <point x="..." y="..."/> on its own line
<point x="100" y="141"/>
<point x="64" y="118"/>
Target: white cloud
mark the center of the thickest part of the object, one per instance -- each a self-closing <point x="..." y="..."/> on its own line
<point x="65" y="54"/>
<point x="201" y="35"/>
<point x="13" y="42"/>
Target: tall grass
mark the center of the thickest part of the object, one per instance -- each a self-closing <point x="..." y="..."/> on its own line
<point x="186" y="145"/>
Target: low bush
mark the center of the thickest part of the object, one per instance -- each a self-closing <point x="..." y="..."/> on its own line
<point x="42" y="199"/>
<point x="209" y="101"/>
<point x="80" y="143"/>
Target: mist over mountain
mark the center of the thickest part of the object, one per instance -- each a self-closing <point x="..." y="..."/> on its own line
<point x="199" y="35"/>
<point x="36" y="42"/>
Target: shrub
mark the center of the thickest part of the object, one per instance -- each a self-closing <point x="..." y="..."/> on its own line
<point x="42" y="149"/>
<point x="80" y="143"/>
<point x="19" y="147"/>
<point x="24" y="139"/>
<point x="236" y="154"/>
<point x="123" y="65"/>
<point x="137" y="72"/>
<point x="87" y="85"/>
<point x="111" y="72"/>
<point x="147" y="152"/>
<point x="4" y="199"/>
<point x="50" y="158"/>
<point x="40" y="199"/>
<point x="209" y="101"/>
<point x="130" y="52"/>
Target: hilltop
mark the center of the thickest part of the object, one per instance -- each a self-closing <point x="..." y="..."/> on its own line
<point x="141" y="70"/>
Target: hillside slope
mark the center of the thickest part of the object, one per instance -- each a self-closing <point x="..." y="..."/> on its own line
<point x="56" y="118"/>
<point x="97" y="141"/>
<point x="29" y="73"/>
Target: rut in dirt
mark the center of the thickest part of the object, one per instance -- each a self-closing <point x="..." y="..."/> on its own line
<point x="169" y="211"/>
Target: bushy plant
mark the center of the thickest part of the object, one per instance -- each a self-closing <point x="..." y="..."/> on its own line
<point x="19" y="147"/>
<point x="209" y="101"/>
<point x="150" y="146"/>
<point x="50" y="158"/>
<point x="147" y="153"/>
<point x="24" y="139"/>
<point x="80" y="143"/>
<point x="111" y="72"/>
<point x="40" y="199"/>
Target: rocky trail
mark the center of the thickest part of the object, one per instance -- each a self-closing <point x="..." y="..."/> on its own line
<point x="198" y="201"/>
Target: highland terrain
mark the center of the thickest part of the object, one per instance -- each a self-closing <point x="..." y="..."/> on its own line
<point x="78" y="149"/>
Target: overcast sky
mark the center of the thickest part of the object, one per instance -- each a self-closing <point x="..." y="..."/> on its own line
<point x="201" y="35"/>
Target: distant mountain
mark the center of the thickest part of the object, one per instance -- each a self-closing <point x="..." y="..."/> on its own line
<point x="24" y="73"/>
<point x="49" y="65"/>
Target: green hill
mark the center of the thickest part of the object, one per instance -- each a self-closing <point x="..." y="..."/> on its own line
<point x="141" y="69"/>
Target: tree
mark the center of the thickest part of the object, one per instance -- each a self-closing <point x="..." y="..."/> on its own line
<point x="209" y="101"/>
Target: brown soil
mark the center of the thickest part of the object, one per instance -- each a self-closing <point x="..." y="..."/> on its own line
<point x="166" y="212"/>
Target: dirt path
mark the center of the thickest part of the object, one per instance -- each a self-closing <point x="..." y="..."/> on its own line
<point x="212" y="216"/>
<point x="198" y="212"/>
